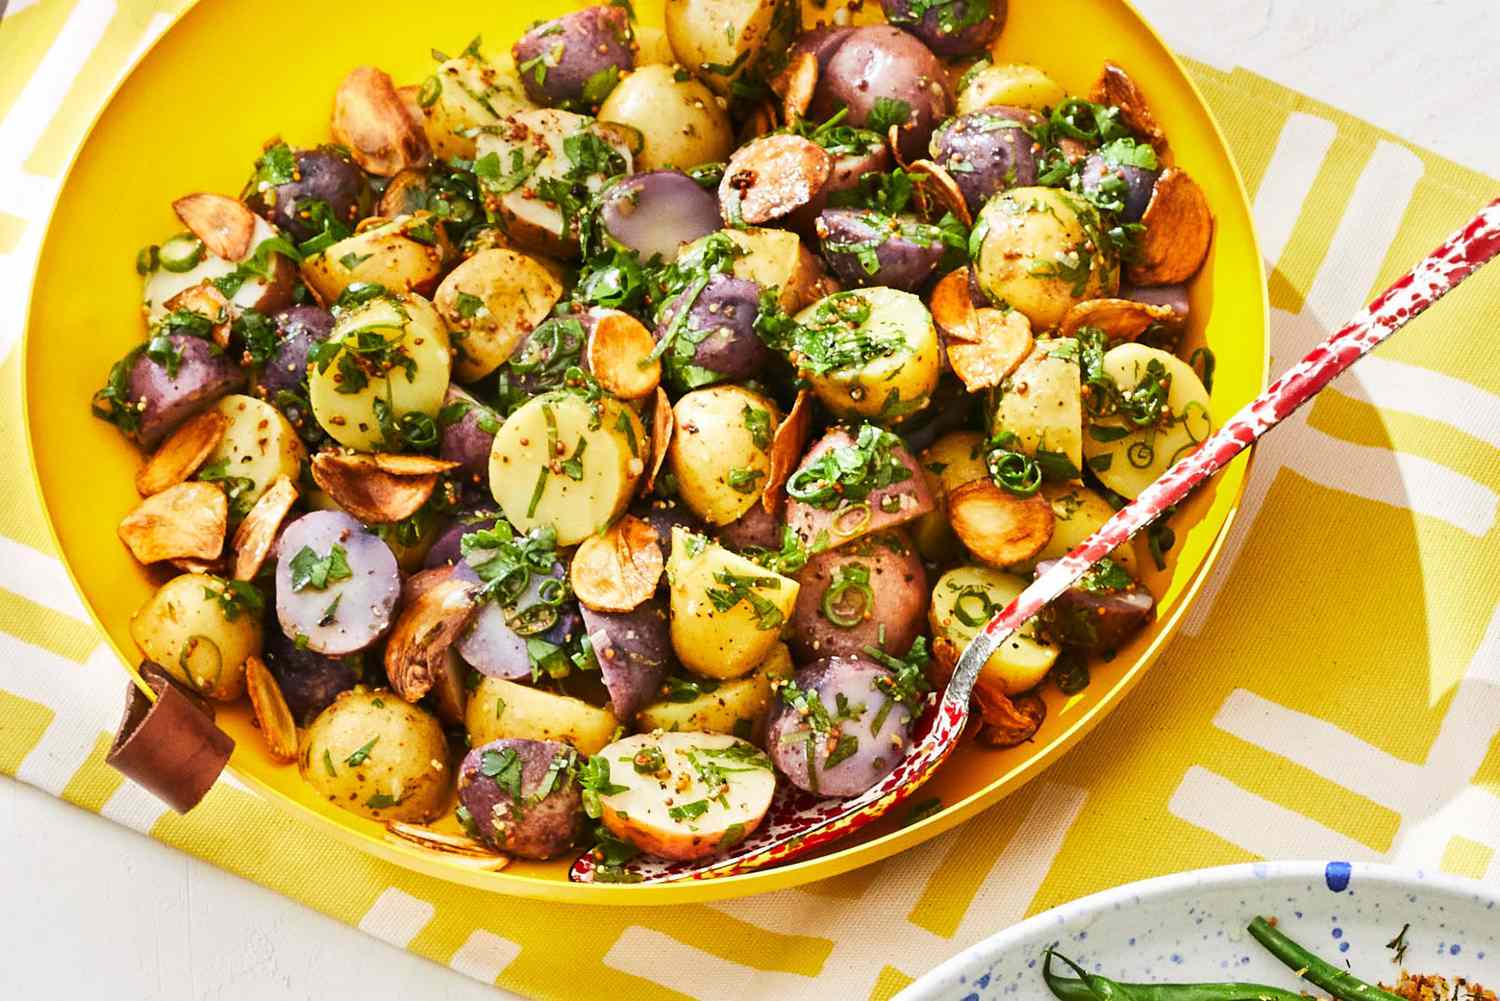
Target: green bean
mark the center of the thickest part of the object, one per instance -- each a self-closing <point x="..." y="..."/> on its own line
<point x="1091" y="987"/>
<point x="1341" y="984"/>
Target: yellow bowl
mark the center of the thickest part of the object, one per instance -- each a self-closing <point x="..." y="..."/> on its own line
<point x="192" y="116"/>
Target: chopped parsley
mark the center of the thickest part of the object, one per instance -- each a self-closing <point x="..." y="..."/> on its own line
<point x="848" y="474"/>
<point x="309" y="570"/>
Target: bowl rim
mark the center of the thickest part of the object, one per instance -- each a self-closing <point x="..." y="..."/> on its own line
<point x="820" y="866"/>
<point x="1205" y="879"/>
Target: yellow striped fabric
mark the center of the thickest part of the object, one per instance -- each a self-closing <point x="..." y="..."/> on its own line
<point x="1335" y="693"/>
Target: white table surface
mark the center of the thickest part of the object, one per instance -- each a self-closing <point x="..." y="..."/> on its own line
<point x="92" y="910"/>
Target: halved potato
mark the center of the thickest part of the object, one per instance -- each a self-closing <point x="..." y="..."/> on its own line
<point x="964" y="599"/>
<point x="266" y="293"/>
<point x="259" y="447"/>
<point x="720" y="450"/>
<point x="739" y="706"/>
<point x="727" y="612"/>
<point x="1126" y="458"/>
<point x="201" y="630"/>
<point x="1077" y="513"/>
<point x="387" y="358"/>
<point x="1041" y="402"/>
<point x="685" y="795"/>
<point x="491" y="302"/>
<point x="405" y="254"/>
<point x="499" y="708"/>
<point x="466" y="93"/>
<point x="1017" y="85"/>
<point x="531" y="147"/>
<point x="881" y="360"/>
<point x="567" y="462"/>
<point x="1042" y="251"/>
<point x="774" y="259"/>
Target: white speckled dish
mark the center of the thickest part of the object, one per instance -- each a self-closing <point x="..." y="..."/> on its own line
<point x="1191" y="927"/>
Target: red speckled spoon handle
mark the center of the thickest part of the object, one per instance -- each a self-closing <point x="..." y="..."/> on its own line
<point x="799" y="823"/>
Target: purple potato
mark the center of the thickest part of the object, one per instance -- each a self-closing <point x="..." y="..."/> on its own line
<point x="634" y="651"/>
<point x="865" y="248"/>
<point x="881" y="65"/>
<point x="300" y="327"/>
<point x="1175" y="296"/>
<point x="655" y="213"/>
<point x="495" y="649"/>
<point x="309" y="681"/>
<point x="322" y="175"/>
<point x="345" y="615"/>
<point x="542" y="360"/>
<point x="576" y="60"/>
<point x="988" y="152"/>
<point x="849" y="166"/>
<point x="1099" y="621"/>
<point x="446" y="548"/>
<point x="468" y="436"/>
<point x="665" y="513"/>
<point x="755" y="529"/>
<point x="720" y="326"/>
<point x="1139" y="183"/>
<point x="952" y="30"/>
<point x="891" y="505"/>
<point x="532" y="826"/>
<point x="864" y="753"/>
<point x="204" y="376"/>
<point x="850" y="619"/>
<point x="951" y="408"/>
<point x="822" y="41"/>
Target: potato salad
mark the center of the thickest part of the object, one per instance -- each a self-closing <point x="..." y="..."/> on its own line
<point x="620" y="428"/>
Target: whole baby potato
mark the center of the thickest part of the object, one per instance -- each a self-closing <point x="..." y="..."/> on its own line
<point x="324" y="174"/>
<point x="201" y="632"/>
<point x="377" y="755"/>
<point x="885" y="77"/>
<point x="574" y="61"/>
<point x="680" y="121"/>
<point x="540" y="822"/>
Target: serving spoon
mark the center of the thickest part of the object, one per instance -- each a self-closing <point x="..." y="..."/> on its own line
<point x="799" y="822"/>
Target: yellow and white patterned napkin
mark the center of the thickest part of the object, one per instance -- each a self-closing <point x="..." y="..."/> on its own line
<point x="1335" y="693"/>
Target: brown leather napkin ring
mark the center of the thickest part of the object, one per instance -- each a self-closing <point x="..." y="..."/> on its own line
<point x="171" y="746"/>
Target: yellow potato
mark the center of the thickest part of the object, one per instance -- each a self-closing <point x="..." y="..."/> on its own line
<point x="739" y="707"/>
<point x="727" y="612"/>
<point x="680" y="121"/>
<point x="948" y="463"/>
<point x="1042" y="251"/>
<point x="887" y="363"/>
<point x="1015" y="84"/>
<point x="465" y="93"/>
<point x="1127" y="459"/>
<point x="720" y="452"/>
<point x="374" y="754"/>
<point x="566" y="462"/>
<point x="416" y="366"/>
<point x="964" y="600"/>
<point x="201" y="629"/>
<point x="406" y="254"/>
<point x="259" y="445"/>
<point x="1077" y="512"/>
<point x="490" y="303"/>
<point x="1041" y="403"/>
<point x="723" y="41"/>
<point x="499" y="708"/>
